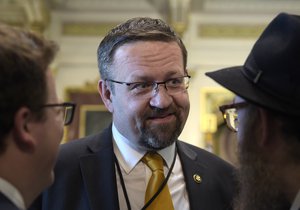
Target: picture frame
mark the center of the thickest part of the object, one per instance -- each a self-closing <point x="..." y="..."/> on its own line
<point x="85" y="95"/>
<point x="217" y="137"/>
<point x="93" y="119"/>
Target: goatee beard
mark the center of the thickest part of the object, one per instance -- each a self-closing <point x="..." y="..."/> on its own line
<point x="161" y="137"/>
<point x="156" y="137"/>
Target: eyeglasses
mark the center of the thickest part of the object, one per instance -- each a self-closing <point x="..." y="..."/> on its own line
<point x="230" y="114"/>
<point x="68" y="109"/>
<point x="145" y="89"/>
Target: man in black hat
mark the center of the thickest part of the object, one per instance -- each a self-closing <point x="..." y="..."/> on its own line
<point x="266" y="115"/>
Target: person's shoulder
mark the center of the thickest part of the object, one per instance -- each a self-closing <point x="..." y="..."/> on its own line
<point x="195" y="149"/>
<point x="206" y="158"/>
<point x="6" y="204"/>
<point x="71" y="152"/>
<point x="86" y="145"/>
<point x="95" y="140"/>
<point x="78" y="145"/>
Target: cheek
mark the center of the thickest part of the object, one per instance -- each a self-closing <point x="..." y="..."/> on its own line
<point x="130" y="107"/>
<point x="132" y="114"/>
<point x="55" y="130"/>
<point x="49" y="141"/>
<point x="241" y="132"/>
<point x="183" y="103"/>
<point x="54" y="138"/>
<point x="246" y="128"/>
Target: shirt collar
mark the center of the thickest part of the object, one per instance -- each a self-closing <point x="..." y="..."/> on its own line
<point x="12" y="193"/>
<point x="129" y="157"/>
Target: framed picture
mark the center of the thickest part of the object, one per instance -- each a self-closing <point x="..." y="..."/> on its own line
<point x="218" y="138"/>
<point x="86" y="98"/>
<point x="210" y="100"/>
<point x="92" y="119"/>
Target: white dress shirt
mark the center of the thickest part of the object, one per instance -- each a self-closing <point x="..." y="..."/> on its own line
<point x="296" y="203"/>
<point x="136" y="174"/>
<point x="12" y="193"/>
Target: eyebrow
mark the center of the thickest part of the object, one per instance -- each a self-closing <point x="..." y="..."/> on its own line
<point x="151" y="79"/>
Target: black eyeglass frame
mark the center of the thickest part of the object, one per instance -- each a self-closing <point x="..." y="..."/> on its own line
<point x="236" y="106"/>
<point x="154" y="84"/>
<point x="65" y="105"/>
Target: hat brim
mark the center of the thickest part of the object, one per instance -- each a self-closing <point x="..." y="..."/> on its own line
<point x="234" y="80"/>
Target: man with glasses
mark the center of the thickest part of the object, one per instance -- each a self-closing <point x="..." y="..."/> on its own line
<point x="143" y="84"/>
<point x="266" y="115"/>
<point x="31" y="119"/>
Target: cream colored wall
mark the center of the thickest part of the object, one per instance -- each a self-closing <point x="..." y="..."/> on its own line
<point x="208" y="54"/>
<point x="77" y="65"/>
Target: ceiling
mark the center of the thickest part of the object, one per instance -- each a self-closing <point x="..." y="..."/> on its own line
<point x="36" y="13"/>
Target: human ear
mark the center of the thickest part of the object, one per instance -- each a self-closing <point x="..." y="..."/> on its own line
<point x="23" y="130"/>
<point x="105" y="94"/>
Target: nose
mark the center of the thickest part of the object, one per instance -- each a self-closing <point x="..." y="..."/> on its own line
<point x="160" y="98"/>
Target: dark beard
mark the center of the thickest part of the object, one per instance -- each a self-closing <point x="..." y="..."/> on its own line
<point x="156" y="138"/>
<point x="260" y="186"/>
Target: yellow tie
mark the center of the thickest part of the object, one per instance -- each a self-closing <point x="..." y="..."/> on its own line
<point x="163" y="201"/>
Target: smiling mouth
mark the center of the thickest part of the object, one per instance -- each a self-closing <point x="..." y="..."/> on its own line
<point x="162" y="118"/>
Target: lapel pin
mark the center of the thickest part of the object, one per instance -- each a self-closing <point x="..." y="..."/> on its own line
<point x="197" y="178"/>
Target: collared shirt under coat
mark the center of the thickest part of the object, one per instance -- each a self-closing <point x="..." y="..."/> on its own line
<point x="136" y="174"/>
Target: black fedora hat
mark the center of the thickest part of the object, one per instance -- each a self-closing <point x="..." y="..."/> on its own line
<point x="270" y="77"/>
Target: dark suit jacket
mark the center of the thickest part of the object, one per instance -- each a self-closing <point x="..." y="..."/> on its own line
<point x="6" y="204"/>
<point x="85" y="177"/>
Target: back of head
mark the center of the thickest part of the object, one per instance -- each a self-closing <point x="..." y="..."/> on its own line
<point x="24" y="59"/>
<point x="133" y="30"/>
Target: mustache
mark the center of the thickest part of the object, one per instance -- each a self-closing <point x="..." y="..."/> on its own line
<point x="158" y="112"/>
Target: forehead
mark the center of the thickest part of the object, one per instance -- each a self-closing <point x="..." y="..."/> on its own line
<point x="149" y="58"/>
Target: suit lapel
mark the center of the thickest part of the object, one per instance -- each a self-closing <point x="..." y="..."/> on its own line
<point x="6" y="204"/>
<point x="99" y="176"/>
<point x="193" y="173"/>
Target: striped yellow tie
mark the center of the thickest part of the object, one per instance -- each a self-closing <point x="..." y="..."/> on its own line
<point x="163" y="201"/>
